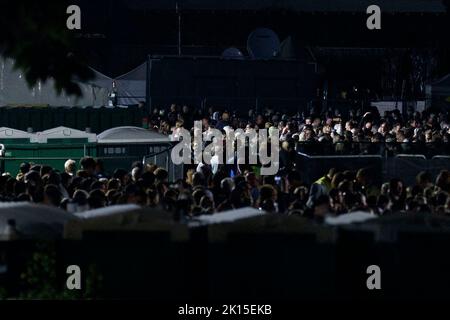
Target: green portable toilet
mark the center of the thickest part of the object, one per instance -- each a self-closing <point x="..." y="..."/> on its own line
<point x="17" y="146"/>
<point x="59" y="144"/>
<point x="120" y="147"/>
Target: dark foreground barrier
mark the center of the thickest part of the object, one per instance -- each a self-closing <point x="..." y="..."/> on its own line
<point x="248" y="266"/>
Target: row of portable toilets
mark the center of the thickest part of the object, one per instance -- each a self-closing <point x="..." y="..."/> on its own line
<point x="117" y="148"/>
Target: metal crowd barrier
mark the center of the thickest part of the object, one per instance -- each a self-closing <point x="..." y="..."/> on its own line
<point x="403" y="166"/>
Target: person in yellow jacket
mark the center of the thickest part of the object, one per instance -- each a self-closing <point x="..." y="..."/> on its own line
<point x="325" y="181"/>
<point x="321" y="186"/>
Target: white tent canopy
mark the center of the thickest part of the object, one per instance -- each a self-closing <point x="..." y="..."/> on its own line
<point x="130" y="87"/>
<point x="14" y="89"/>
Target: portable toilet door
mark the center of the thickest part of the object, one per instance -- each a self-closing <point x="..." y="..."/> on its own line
<point x="16" y="147"/>
<point x="2" y="161"/>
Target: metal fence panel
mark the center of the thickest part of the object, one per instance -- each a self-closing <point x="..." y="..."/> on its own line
<point x="312" y="168"/>
<point x="405" y="167"/>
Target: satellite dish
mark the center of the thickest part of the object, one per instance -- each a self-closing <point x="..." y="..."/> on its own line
<point x="263" y="43"/>
<point x="232" y="53"/>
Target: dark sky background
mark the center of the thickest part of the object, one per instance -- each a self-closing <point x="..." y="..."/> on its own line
<point x="117" y="35"/>
<point x="424" y="6"/>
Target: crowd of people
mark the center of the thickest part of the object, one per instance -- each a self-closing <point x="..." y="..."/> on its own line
<point x="327" y="133"/>
<point x="206" y="190"/>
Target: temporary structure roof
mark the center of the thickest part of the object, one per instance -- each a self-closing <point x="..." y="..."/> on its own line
<point x="64" y="133"/>
<point x="9" y="133"/>
<point x="130" y="135"/>
<point x="34" y="220"/>
<point x="229" y="216"/>
<point x="348" y="218"/>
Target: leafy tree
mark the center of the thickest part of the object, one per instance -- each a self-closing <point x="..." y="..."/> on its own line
<point x="35" y="35"/>
<point x="39" y="279"/>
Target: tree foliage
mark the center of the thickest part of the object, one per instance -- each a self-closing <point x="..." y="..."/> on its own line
<point x="35" y="35"/>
